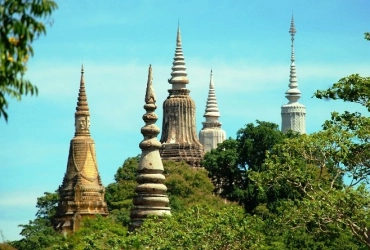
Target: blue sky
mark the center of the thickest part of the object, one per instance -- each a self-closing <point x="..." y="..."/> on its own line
<point x="246" y="43"/>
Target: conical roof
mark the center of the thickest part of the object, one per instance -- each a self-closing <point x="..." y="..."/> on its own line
<point x="178" y="75"/>
<point x="211" y="107"/>
<point x="82" y="105"/>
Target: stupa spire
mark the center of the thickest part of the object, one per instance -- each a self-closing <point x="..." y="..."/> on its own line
<point x="211" y="107"/>
<point x="178" y="76"/>
<point x="293" y="114"/>
<point x="179" y="137"/>
<point x="293" y="93"/>
<point x="82" y="192"/>
<point x="211" y="133"/>
<point x="82" y="115"/>
<point x="151" y="198"/>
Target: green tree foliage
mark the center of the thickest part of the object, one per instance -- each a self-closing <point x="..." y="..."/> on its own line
<point x="21" y="22"/>
<point x="119" y="194"/>
<point x="39" y="233"/>
<point x="230" y="164"/>
<point x="353" y="88"/>
<point x="199" y="220"/>
<point x="315" y="164"/>
<point x="95" y="233"/>
<point x="189" y="186"/>
<point x="186" y="187"/>
<point x="202" y="227"/>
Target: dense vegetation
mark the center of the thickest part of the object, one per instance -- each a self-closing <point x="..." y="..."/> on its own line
<point x="283" y="186"/>
<point x="262" y="190"/>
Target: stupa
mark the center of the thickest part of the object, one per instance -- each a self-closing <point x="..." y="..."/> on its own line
<point x="150" y="198"/>
<point x="211" y="134"/>
<point x="82" y="192"/>
<point x="179" y="134"/>
<point x="293" y="114"/>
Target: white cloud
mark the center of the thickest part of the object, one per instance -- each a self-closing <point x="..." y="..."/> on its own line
<point x="18" y="199"/>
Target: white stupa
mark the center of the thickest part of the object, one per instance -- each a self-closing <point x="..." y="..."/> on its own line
<point x="293" y="114"/>
<point x="211" y="133"/>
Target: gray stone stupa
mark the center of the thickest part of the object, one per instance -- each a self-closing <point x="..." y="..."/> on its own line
<point x="179" y="134"/>
<point x="150" y="198"/>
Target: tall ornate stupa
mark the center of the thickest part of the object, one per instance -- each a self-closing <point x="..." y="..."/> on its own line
<point x="211" y="133"/>
<point x="293" y="114"/>
<point x="151" y="198"/>
<point x="179" y="134"/>
<point x="81" y="193"/>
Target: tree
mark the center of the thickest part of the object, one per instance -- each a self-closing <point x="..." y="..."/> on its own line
<point x="201" y="227"/>
<point x="119" y="194"/>
<point x="186" y="187"/>
<point x="230" y="164"/>
<point x="315" y="164"/>
<point x="21" y="22"/>
<point x="199" y="220"/>
<point x="39" y="233"/>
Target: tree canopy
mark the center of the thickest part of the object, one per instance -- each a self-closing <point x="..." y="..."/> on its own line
<point x="200" y="220"/>
<point x="330" y="168"/>
<point x="21" y="22"/>
<point x="231" y="163"/>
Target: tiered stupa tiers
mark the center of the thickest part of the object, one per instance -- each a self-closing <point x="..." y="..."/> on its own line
<point x="81" y="193"/>
<point x="151" y="198"/>
<point x="179" y="135"/>
<point x="211" y="134"/>
<point x="293" y="114"/>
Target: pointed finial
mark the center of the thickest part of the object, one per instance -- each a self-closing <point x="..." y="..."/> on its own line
<point x="178" y="76"/>
<point x="82" y="105"/>
<point x="150" y="95"/>
<point x="292" y="29"/>
<point x="293" y="93"/>
<point x="82" y="115"/>
<point x="211" y="106"/>
<point x="211" y="80"/>
<point x="178" y="39"/>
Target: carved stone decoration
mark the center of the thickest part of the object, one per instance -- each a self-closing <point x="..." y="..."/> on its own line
<point x="293" y="114"/>
<point x="82" y="192"/>
<point x="179" y="135"/>
<point x="151" y="198"/>
<point x="211" y="134"/>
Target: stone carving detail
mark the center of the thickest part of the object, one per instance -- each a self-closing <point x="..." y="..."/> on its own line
<point x="211" y="134"/>
<point x="293" y="114"/>
<point x="82" y="192"/>
<point x="179" y="137"/>
<point x="150" y="198"/>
